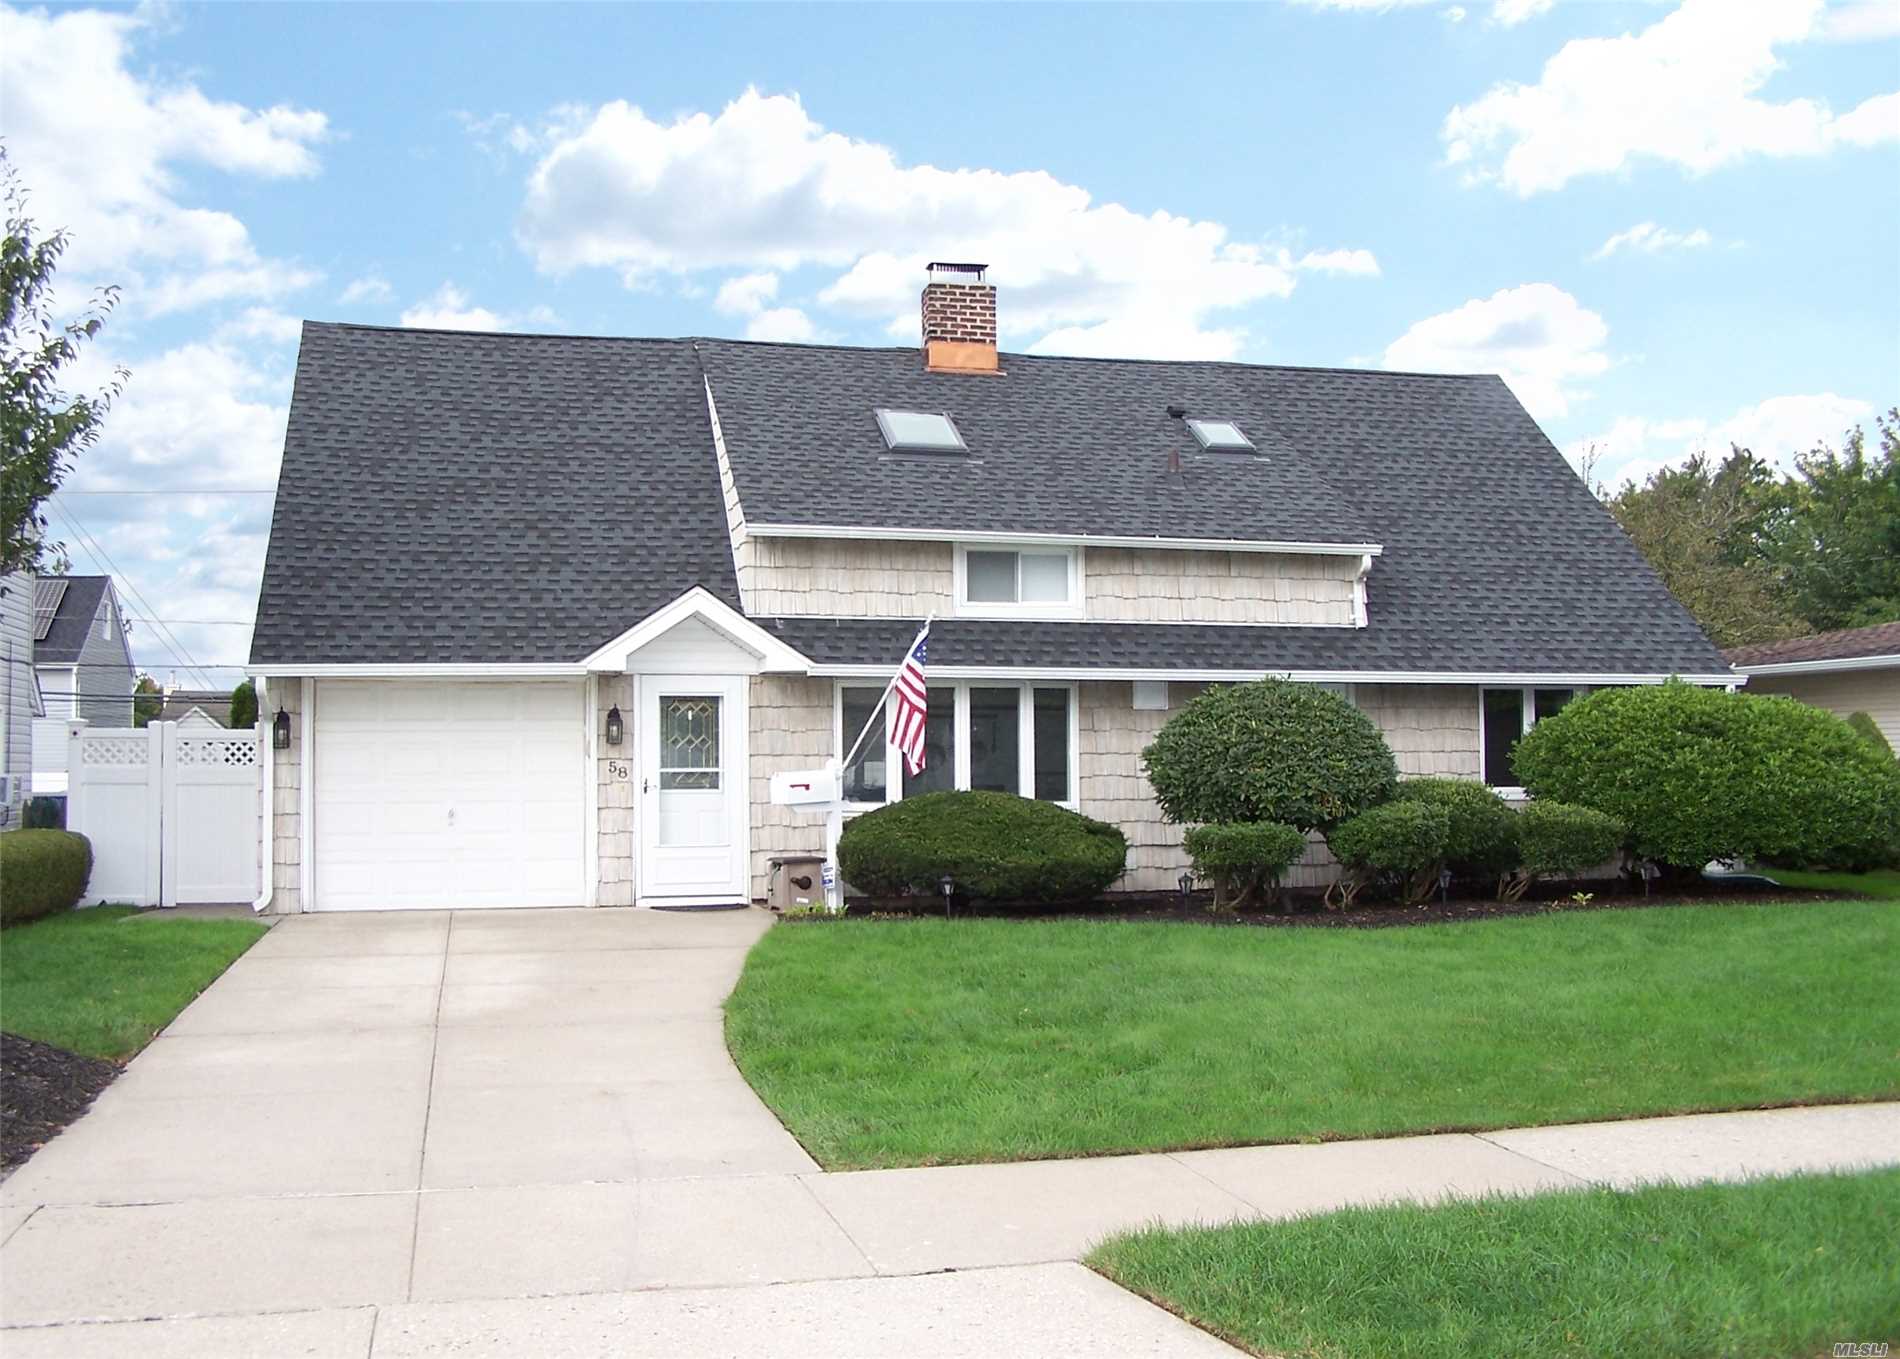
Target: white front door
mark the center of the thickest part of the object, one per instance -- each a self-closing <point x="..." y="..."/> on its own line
<point x="692" y="788"/>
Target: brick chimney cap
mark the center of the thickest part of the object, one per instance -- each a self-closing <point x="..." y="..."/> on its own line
<point x="957" y="273"/>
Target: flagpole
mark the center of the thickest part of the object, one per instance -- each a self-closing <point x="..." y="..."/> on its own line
<point x="878" y="711"/>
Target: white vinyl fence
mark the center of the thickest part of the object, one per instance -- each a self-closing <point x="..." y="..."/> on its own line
<point x="173" y="812"/>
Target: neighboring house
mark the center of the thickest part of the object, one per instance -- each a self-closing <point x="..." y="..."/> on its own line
<point x="84" y="664"/>
<point x="199" y="707"/>
<point x="1855" y="670"/>
<point x="19" y="697"/>
<point x="487" y="549"/>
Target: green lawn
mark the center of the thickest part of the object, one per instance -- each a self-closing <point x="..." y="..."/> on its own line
<point x="94" y="982"/>
<point x="919" y="1042"/>
<point x="1881" y="883"/>
<point x="1774" y="1267"/>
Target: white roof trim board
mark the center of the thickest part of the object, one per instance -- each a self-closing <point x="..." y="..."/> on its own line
<point x="949" y="672"/>
<point x="939" y="535"/>
<point x="1820" y="667"/>
<point x="773" y="654"/>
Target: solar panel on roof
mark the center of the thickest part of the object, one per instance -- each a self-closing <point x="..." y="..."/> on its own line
<point x="47" y="595"/>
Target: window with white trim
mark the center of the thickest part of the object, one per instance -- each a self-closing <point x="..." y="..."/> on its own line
<point x="1504" y="715"/>
<point x="1007" y="581"/>
<point x="997" y="735"/>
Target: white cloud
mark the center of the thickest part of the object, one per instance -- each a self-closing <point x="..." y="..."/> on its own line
<point x="1684" y="91"/>
<point x="747" y="294"/>
<point x="1356" y="262"/>
<point x="1776" y="429"/>
<point x="451" y="308"/>
<point x="1860" y="21"/>
<point x="1539" y="338"/>
<point x="100" y="148"/>
<point x="1507" y="13"/>
<point x="195" y="422"/>
<point x="1510" y="13"/>
<point x="781" y="323"/>
<point x="1651" y="239"/>
<point x="370" y="288"/>
<point x="262" y="323"/>
<point x="762" y="187"/>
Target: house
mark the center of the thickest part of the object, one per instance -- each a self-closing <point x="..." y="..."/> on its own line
<point x="1855" y="670"/>
<point x="19" y="695"/>
<point x="198" y="707"/>
<point x="84" y="665"/>
<point x="542" y="615"/>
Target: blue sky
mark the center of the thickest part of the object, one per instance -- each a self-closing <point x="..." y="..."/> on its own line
<point x="1668" y="225"/>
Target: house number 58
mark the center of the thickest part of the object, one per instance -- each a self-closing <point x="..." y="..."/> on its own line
<point x="619" y="770"/>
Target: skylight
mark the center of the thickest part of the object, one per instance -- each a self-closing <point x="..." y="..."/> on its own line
<point x="1221" y="436"/>
<point x="919" y="432"/>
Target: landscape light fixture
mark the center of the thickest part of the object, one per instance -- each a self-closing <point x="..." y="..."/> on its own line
<point x="616" y="729"/>
<point x="1187" y="886"/>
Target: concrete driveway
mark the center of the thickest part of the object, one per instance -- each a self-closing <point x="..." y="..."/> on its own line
<point x="495" y="1132"/>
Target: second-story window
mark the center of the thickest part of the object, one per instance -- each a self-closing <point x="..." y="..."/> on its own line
<point x="1001" y="581"/>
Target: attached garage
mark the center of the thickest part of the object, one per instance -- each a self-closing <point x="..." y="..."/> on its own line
<point x="448" y="794"/>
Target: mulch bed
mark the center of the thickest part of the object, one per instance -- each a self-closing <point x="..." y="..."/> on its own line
<point x="1304" y="911"/>
<point x="42" y="1089"/>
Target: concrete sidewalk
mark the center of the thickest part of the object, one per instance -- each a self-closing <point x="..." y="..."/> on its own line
<point x="501" y="1132"/>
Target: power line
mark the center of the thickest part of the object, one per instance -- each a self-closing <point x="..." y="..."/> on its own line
<point x="99" y="554"/>
<point x="195" y="622"/>
<point x="171" y="490"/>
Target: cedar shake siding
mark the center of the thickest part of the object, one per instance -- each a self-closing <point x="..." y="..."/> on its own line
<point x="791" y="719"/>
<point x="287" y="774"/>
<point x="881" y="578"/>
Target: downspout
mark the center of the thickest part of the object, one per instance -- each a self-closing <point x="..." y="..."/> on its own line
<point x="1361" y="615"/>
<point x="267" y="814"/>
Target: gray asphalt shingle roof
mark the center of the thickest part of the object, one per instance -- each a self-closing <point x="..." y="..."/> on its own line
<point x="72" y="610"/>
<point x="453" y="497"/>
<point x="450" y="497"/>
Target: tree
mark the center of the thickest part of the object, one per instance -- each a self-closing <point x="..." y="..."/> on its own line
<point x="1701" y="526"/>
<point x="148" y="700"/>
<point x="1835" y="539"/>
<point x="244" y="706"/>
<point x="41" y="426"/>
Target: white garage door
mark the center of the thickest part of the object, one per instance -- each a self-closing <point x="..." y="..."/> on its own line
<point x="437" y="794"/>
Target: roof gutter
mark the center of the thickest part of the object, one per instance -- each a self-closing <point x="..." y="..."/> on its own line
<point x="1502" y="679"/>
<point x="943" y="535"/>
<point x="1821" y="667"/>
<point x="423" y="670"/>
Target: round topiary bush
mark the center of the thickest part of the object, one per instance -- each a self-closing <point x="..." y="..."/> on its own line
<point x="991" y="845"/>
<point x="1557" y="840"/>
<point x="1270" y="750"/>
<point x="1244" y="860"/>
<point x="1699" y="774"/>
<point x="42" y="871"/>
<point x="1482" y="839"/>
<point x="1870" y="732"/>
<point x="1401" y="844"/>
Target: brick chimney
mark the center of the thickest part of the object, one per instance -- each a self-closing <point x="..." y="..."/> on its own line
<point x="959" y="320"/>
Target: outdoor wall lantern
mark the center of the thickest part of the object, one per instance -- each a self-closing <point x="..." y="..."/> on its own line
<point x="280" y="731"/>
<point x="615" y="727"/>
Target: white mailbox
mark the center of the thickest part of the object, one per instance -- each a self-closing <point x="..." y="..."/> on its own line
<point x="805" y="787"/>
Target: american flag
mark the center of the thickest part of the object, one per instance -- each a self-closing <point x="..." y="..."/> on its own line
<point x="912" y="705"/>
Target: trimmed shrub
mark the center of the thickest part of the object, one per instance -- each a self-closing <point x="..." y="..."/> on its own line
<point x="1401" y="845"/>
<point x="1699" y="774"/>
<point x="1558" y="840"/>
<point x="42" y="871"/>
<point x="1270" y="750"/>
<point x="45" y="812"/>
<point x="1870" y="731"/>
<point x="1482" y="841"/>
<point x="1244" y="860"/>
<point x="991" y="845"/>
<point x="243" y="714"/>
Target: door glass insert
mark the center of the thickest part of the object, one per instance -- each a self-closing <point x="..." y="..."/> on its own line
<point x="689" y="742"/>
